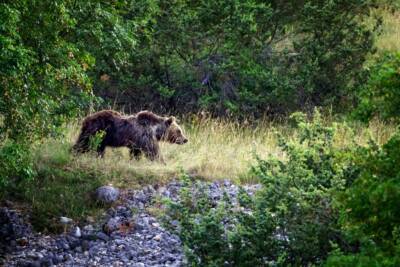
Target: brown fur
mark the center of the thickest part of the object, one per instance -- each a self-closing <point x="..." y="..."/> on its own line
<point x="140" y="132"/>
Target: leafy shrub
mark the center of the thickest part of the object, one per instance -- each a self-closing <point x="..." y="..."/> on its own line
<point x="43" y="79"/>
<point x="300" y="191"/>
<point x="218" y="235"/>
<point x="242" y="57"/>
<point x="15" y="165"/>
<point x="42" y="75"/>
<point x="95" y="141"/>
<point x="370" y="211"/>
<point x="291" y="221"/>
<point x="381" y="95"/>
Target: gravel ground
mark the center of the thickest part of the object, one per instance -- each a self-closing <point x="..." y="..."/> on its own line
<point x="127" y="235"/>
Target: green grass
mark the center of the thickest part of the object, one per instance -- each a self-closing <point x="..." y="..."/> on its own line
<point x="217" y="149"/>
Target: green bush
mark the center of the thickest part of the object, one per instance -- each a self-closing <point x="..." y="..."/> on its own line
<point x="44" y="73"/>
<point x="300" y="191"/>
<point x="381" y="95"/>
<point x="370" y="207"/>
<point x="242" y="57"/>
<point x="15" y="165"/>
<point x="291" y="221"/>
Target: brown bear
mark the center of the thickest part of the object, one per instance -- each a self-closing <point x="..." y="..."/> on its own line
<point x="140" y="132"/>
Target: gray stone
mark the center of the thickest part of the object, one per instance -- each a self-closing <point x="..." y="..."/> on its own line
<point x="103" y="236"/>
<point x="112" y="225"/>
<point x="34" y="264"/>
<point x="107" y="194"/>
<point x="46" y="262"/>
<point x="141" y="242"/>
<point x="88" y="228"/>
<point x="85" y="245"/>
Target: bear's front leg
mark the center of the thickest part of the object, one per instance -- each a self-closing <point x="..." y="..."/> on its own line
<point x="101" y="150"/>
<point x="153" y="154"/>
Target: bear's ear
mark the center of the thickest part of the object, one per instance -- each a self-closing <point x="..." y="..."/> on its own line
<point x="169" y="121"/>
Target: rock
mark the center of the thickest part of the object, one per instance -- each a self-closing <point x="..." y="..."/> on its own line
<point x="12" y="227"/>
<point x="174" y="223"/>
<point x="34" y="264"/>
<point x="157" y="237"/>
<point x="103" y="236"/>
<point x="112" y="225"/>
<point x="90" y="219"/>
<point x="132" y="254"/>
<point x="127" y="235"/>
<point x="65" y="220"/>
<point x="73" y="243"/>
<point x="107" y="194"/>
<point x="88" y="228"/>
<point x="120" y="224"/>
<point x="68" y="257"/>
<point x="77" y="232"/>
<point x="46" y="262"/>
<point x="85" y="245"/>
<point x="23" y="241"/>
<point x="35" y="255"/>
<point x="57" y="259"/>
<point x="22" y="263"/>
<point x="91" y="236"/>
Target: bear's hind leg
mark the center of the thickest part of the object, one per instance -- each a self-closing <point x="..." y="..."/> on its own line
<point x="135" y="153"/>
<point x="81" y="145"/>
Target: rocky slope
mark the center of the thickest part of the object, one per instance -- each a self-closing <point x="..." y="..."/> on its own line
<point x="127" y="235"/>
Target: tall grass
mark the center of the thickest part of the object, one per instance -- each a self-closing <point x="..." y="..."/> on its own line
<point x="217" y="149"/>
<point x="389" y="39"/>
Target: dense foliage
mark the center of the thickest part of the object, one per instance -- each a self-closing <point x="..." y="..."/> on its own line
<point x="381" y="95"/>
<point x="242" y="57"/>
<point x="321" y="204"/>
<point x="46" y="51"/>
<point x="229" y="57"/>
<point x="42" y="74"/>
<point x="292" y="221"/>
<point x="370" y="211"/>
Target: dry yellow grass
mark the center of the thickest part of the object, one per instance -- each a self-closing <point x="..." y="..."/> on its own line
<point x="389" y="40"/>
<point x="217" y="149"/>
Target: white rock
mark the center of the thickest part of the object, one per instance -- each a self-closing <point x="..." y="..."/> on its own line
<point x="65" y="220"/>
<point x="77" y="232"/>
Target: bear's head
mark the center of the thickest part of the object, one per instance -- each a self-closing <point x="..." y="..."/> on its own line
<point x="174" y="133"/>
<point x="164" y="129"/>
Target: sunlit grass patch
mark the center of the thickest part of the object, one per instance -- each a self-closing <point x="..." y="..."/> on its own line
<point x="217" y="149"/>
<point x="389" y="39"/>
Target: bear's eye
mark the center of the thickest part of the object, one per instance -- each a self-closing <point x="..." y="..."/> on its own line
<point x="179" y="132"/>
